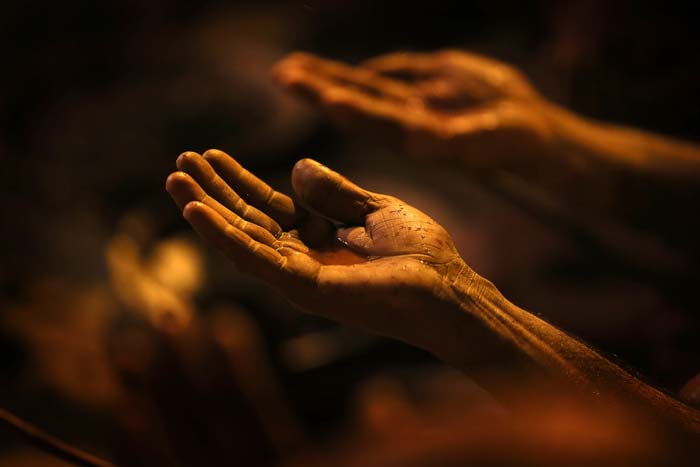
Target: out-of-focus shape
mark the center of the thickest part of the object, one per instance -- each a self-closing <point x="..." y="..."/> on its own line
<point x="160" y="285"/>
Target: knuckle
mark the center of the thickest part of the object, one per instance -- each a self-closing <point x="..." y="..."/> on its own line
<point x="240" y="206"/>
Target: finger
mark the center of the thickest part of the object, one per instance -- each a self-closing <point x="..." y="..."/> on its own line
<point x="332" y="195"/>
<point x="196" y="166"/>
<point x="322" y="90"/>
<point x="301" y="66"/>
<point x="184" y="189"/>
<point x="358" y="110"/>
<point x="426" y="65"/>
<point x="690" y="392"/>
<point x="477" y="121"/>
<point x="477" y="78"/>
<point x="472" y="63"/>
<point x="256" y="192"/>
<point x="352" y="105"/>
<point x="486" y="75"/>
<point x="409" y="66"/>
<point x="379" y="116"/>
<point x="249" y="255"/>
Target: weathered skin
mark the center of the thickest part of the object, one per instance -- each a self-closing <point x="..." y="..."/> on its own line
<point x="413" y="285"/>
<point x="407" y="260"/>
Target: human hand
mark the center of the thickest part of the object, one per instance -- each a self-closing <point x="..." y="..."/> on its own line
<point x="210" y="379"/>
<point x="391" y="276"/>
<point x="447" y="105"/>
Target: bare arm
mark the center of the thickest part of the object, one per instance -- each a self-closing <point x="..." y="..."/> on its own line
<point x="533" y="345"/>
<point x="626" y="149"/>
<point x="453" y="107"/>
<point x="406" y="280"/>
<point x="610" y="169"/>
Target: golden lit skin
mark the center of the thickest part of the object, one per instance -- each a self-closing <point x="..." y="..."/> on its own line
<point x="453" y="107"/>
<point x="404" y="257"/>
<point x="408" y="281"/>
<point x="436" y="105"/>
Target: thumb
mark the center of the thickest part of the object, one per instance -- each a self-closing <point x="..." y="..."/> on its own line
<point x="332" y="195"/>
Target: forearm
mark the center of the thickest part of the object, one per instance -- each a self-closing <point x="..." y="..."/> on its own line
<point x="537" y="348"/>
<point x="623" y="149"/>
<point x="617" y="170"/>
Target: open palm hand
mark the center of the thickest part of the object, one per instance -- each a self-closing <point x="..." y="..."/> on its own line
<point x="361" y="258"/>
<point x="443" y="105"/>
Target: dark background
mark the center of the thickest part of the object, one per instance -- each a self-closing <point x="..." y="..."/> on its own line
<point x="97" y="99"/>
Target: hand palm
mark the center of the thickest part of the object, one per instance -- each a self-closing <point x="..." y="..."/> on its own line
<point x="444" y="105"/>
<point x="391" y="246"/>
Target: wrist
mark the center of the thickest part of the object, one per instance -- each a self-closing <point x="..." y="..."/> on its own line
<point x="462" y="343"/>
<point x="495" y="333"/>
<point x="490" y="332"/>
<point x="575" y="138"/>
<point x="585" y="142"/>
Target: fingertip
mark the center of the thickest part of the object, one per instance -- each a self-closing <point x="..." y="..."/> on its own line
<point x="186" y="159"/>
<point x="304" y="163"/>
<point x="287" y="75"/>
<point x="210" y="154"/>
<point x="303" y="170"/>
<point x="194" y="210"/>
<point x="220" y="160"/>
<point x="175" y="181"/>
<point x="307" y="164"/>
<point x="338" y="98"/>
<point x="290" y="66"/>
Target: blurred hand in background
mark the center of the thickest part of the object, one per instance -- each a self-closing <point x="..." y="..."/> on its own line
<point x="437" y="105"/>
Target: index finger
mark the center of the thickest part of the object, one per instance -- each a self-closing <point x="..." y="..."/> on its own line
<point x="257" y="258"/>
<point x="255" y="191"/>
<point x="353" y="108"/>
<point x="342" y="76"/>
<point x="409" y="66"/>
